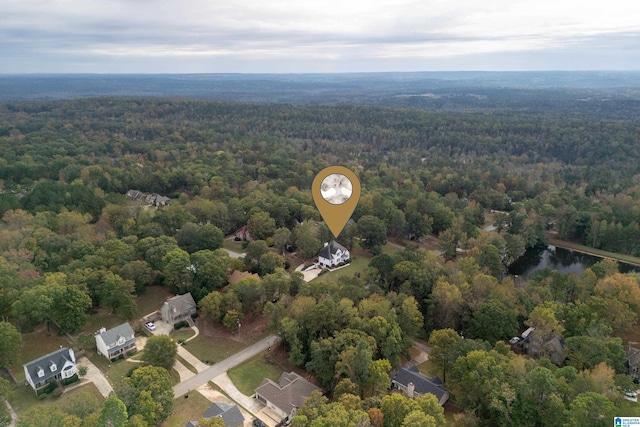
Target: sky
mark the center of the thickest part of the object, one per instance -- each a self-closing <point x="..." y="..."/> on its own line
<point x="303" y="36"/>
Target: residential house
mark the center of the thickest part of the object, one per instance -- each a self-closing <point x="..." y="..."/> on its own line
<point x="413" y="383"/>
<point x="237" y="276"/>
<point x="242" y="234"/>
<point x="178" y="308"/>
<point x="285" y="396"/>
<point x="157" y="200"/>
<point x="633" y="362"/>
<point x="553" y="347"/>
<point x="136" y="195"/>
<point x="58" y="365"/>
<point x="332" y="254"/>
<point x="113" y="342"/>
<point x="229" y="413"/>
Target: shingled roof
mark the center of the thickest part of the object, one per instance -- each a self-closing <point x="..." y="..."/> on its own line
<point x="57" y="358"/>
<point x="290" y="392"/>
<point x="331" y="249"/>
<point x="422" y="383"/>
<point x="229" y="413"/>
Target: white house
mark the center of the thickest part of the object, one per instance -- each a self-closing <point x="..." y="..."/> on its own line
<point x="59" y="365"/>
<point x="115" y="341"/>
<point x="332" y="254"/>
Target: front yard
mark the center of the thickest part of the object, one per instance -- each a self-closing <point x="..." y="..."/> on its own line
<point x="23" y="398"/>
<point x="209" y="349"/>
<point x="248" y="375"/>
<point x="189" y="409"/>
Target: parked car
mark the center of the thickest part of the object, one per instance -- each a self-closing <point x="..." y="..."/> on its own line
<point x="514" y="340"/>
<point x="258" y="423"/>
<point x="150" y="326"/>
<point x="631" y="394"/>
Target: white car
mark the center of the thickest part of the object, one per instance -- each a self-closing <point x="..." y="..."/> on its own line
<point x="631" y="394"/>
<point x="150" y="326"/>
<point x="514" y="340"/>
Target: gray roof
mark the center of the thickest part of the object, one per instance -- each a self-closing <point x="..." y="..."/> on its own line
<point x="229" y="413"/>
<point x="290" y="392"/>
<point x="112" y="336"/>
<point x="183" y="303"/>
<point x="59" y="357"/>
<point x="422" y="383"/>
<point x="633" y="356"/>
<point x="192" y="424"/>
<point x="330" y="249"/>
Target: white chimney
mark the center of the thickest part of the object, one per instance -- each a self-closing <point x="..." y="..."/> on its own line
<point x="326" y="244"/>
<point x="103" y="330"/>
<point x="410" y="389"/>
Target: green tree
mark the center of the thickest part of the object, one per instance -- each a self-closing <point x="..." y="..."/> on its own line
<point x="117" y="294"/>
<point x="281" y="239"/>
<point x="373" y="233"/>
<point x="591" y="409"/>
<point x="418" y="419"/>
<point x="177" y="271"/>
<point x="113" y="413"/>
<point x="448" y="244"/>
<point x="154" y="380"/>
<point x="305" y="241"/>
<point x="261" y="225"/>
<point x="160" y="350"/>
<point x="494" y="321"/>
<point x="10" y="344"/>
<point x="231" y="320"/>
<point x="269" y="262"/>
<point x="442" y="342"/>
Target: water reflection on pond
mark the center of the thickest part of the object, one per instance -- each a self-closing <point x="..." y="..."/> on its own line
<point x="563" y="260"/>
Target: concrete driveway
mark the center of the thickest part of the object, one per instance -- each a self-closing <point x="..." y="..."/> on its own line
<point x="96" y="376"/>
<point x="223" y="366"/>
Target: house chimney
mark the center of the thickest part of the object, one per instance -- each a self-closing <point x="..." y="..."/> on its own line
<point x="326" y="244"/>
<point x="410" y="389"/>
<point x="103" y="330"/>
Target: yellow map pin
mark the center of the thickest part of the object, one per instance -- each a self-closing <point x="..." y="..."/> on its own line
<point x="336" y="192"/>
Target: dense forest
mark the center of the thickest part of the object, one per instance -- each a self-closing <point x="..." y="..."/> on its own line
<point x="71" y="240"/>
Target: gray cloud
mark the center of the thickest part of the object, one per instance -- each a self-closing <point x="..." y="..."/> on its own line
<point x="301" y="36"/>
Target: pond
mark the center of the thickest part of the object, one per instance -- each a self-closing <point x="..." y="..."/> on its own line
<point x="563" y="260"/>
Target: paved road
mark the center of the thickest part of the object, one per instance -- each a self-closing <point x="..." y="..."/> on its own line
<point x="223" y="366"/>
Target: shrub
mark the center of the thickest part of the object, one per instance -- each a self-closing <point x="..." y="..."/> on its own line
<point x="181" y="324"/>
<point x="57" y="392"/>
<point x="70" y="380"/>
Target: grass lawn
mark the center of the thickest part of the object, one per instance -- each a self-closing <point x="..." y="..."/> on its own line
<point x="233" y="246"/>
<point x="23" y="398"/>
<point x="360" y="259"/>
<point x="250" y="374"/>
<point x="185" y="410"/>
<point x="36" y="344"/>
<point x="213" y="349"/>
<point x="187" y="365"/>
<point x="115" y="371"/>
<point x="182" y="334"/>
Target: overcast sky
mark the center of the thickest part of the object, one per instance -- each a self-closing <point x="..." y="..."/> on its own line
<point x="300" y="36"/>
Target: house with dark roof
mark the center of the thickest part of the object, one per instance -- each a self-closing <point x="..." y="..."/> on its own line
<point x="633" y="362"/>
<point x="413" y="383"/>
<point x="178" y="308"/>
<point x="113" y="342"/>
<point x="553" y="347"/>
<point x="58" y="365"/>
<point x="229" y="413"/>
<point x="332" y="254"/>
<point x="285" y="396"/>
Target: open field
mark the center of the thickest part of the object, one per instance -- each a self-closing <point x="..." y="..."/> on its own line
<point x="250" y="374"/>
